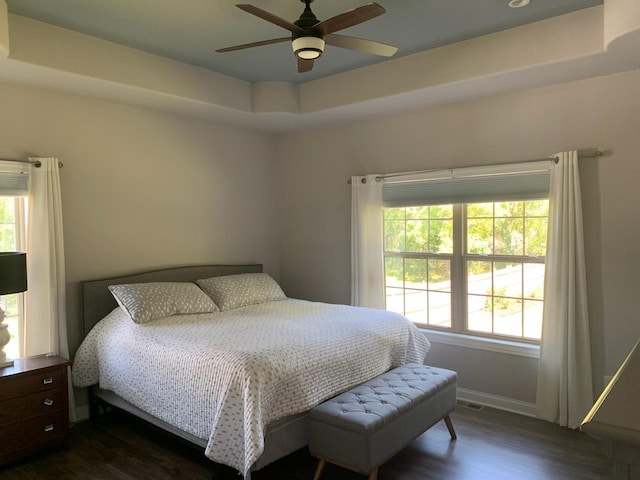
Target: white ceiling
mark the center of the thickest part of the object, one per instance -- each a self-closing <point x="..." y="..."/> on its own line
<point x="190" y="30"/>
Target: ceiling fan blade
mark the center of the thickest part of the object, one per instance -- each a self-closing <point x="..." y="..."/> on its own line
<point x="270" y="17"/>
<point x="361" y="45"/>
<point x="253" y="44"/>
<point x="349" y="18"/>
<point x="304" y="65"/>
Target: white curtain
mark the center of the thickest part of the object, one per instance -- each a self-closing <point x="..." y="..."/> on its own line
<point x="46" y="320"/>
<point x="565" y="392"/>
<point x="367" y="269"/>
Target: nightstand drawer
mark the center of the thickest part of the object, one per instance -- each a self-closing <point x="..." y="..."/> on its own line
<point x="34" y="382"/>
<point x="39" y="403"/>
<point x="30" y="433"/>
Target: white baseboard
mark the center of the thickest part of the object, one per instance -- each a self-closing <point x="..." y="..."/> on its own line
<point x="495" y="401"/>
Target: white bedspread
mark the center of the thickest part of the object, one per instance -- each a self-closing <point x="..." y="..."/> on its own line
<point x="224" y="376"/>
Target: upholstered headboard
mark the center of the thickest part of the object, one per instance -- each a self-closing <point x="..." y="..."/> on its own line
<point x="97" y="300"/>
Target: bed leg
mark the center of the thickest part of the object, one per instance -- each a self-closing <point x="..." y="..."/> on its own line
<point x="97" y="408"/>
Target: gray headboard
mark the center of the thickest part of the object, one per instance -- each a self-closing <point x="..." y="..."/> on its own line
<point x="97" y="300"/>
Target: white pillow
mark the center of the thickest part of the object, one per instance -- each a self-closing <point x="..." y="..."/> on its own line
<point x="233" y="291"/>
<point x="144" y="302"/>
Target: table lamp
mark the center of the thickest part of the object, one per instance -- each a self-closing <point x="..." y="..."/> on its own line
<point x="13" y="279"/>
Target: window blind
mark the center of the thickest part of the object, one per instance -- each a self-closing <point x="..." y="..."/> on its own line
<point x="468" y="185"/>
<point x="14" y="179"/>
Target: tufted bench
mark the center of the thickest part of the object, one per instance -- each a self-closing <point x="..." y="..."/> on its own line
<point x="362" y="428"/>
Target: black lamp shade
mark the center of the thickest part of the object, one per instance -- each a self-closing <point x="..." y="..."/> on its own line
<point x="13" y="272"/>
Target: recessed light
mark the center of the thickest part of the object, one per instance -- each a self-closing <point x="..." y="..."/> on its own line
<point x="518" y="3"/>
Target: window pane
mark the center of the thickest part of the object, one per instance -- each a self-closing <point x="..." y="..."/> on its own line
<point x="479" y="277"/>
<point x="480" y="236"/>
<point x="533" y="319"/>
<point x="395" y="300"/>
<point x="507" y="316"/>
<point x="441" y="236"/>
<point x="479" y="313"/>
<point x="439" y="275"/>
<point x="417" y="213"/>
<point x="394" y="272"/>
<point x="7" y="225"/>
<point x="417" y="236"/>
<point x="533" y="281"/>
<point x="440" y="211"/>
<point x="415" y="273"/>
<point x="507" y="279"/>
<point x="11" y="304"/>
<point x="440" y="309"/>
<point x="394" y="236"/>
<point x="509" y="234"/>
<point x="394" y="213"/>
<point x="7" y="237"/>
<point x="479" y="210"/>
<point x="536" y="208"/>
<point x="7" y="212"/>
<point x="509" y="209"/>
<point x="535" y="237"/>
<point x="415" y="305"/>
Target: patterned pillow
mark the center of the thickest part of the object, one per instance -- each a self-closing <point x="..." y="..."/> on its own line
<point x="232" y="291"/>
<point x="144" y="302"/>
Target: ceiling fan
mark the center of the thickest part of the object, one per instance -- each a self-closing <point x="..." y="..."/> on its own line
<point x="309" y="35"/>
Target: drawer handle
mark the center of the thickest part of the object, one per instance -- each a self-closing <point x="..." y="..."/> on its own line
<point x="48" y="428"/>
<point x="48" y="402"/>
<point x="47" y="381"/>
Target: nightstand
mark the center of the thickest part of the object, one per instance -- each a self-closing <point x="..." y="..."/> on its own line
<point x="34" y="406"/>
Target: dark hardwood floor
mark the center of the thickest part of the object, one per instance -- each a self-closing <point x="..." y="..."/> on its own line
<point x="491" y="444"/>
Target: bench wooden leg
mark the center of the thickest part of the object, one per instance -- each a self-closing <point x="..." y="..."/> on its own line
<point x="319" y="469"/>
<point x="449" y="423"/>
<point x="373" y="474"/>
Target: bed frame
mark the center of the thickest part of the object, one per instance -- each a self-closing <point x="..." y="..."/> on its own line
<point x="282" y="438"/>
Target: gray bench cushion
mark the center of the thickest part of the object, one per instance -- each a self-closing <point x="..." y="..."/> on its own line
<point x="368" y="407"/>
<point x="368" y="424"/>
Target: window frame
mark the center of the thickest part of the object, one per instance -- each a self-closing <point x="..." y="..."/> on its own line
<point x="20" y="205"/>
<point x="458" y="267"/>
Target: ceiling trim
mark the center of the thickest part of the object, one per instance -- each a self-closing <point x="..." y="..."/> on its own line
<point x="537" y="54"/>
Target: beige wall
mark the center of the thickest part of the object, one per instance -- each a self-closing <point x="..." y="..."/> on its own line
<point x="602" y="112"/>
<point x="144" y="189"/>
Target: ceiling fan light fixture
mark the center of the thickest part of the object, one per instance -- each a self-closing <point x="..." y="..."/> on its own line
<point x="308" y="48"/>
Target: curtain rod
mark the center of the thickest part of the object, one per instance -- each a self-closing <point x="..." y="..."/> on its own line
<point x="596" y="154"/>
<point x="35" y="163"/>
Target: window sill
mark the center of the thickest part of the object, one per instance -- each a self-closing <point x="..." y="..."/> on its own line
<point x="520" y="349"/>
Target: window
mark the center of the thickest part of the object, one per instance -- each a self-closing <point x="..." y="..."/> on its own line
<point x="13" y="208"/>
<point x="473" y="267"/>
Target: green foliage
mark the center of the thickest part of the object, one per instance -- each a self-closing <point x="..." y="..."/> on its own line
<point x="426" y="229"/>
<point x="507" y="228"/>
<point x="501" y="228"/>
<point x="7" y="225"/>
<point x="504" y="303"/>
<point x="480" y="236"/>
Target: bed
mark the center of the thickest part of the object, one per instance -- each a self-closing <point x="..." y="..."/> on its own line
<point x="239" y="381"/>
